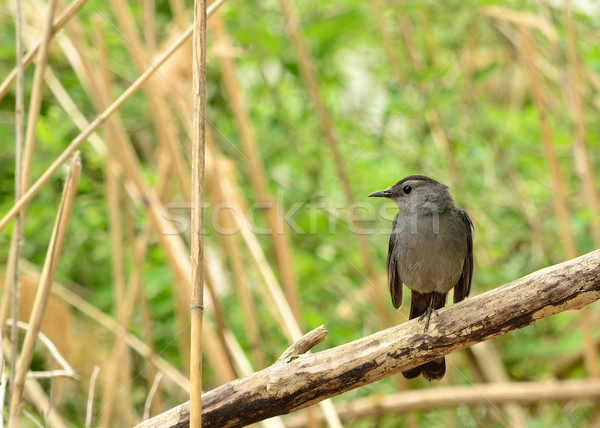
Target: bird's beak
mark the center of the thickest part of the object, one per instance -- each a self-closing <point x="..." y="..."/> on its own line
<point x="381" y="194"/>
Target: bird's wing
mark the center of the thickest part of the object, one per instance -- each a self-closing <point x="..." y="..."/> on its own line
<point x="463" y="286"/>
<point x="394" y="280"/>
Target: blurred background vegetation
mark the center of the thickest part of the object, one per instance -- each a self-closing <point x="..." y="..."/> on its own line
<point x="310" y="107"/>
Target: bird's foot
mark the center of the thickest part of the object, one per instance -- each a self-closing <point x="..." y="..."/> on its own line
<point x="427" y="316"/>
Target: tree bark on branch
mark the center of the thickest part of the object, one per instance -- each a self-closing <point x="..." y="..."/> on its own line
<point x="299" y="380"/>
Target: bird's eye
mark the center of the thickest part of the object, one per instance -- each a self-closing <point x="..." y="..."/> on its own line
<point x="407" y="189"/>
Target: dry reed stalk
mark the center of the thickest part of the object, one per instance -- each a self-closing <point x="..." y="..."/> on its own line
<point x="65" y="371"/>
<point x="430" y="48"/>
<point x="171" y="241"/>
<point x="443" y="146"/>
<point x="564" y="367"/>
<point x="559" y="193"/>
<point x="386" y="37"/>
<point x="90" y="400"/>
<point x="218" y="359"/>
<point x="591" y="76"/>
<point x="242" y="289"/>
<point x="178" y="12"/>
<point x="218" y="314"/>
<point x="168" y="238"/>
<point x="68" y="105"/>
<point x="61" y="95"/>
<point x="228" y="218"/>
<point x="11" y="292"/>
<point x="135" y="293"/>
<point x="58" y="23"/>
<point x="437" y="131"/>
<point x="226" y="372"/>
<point x="35" y="101"/>
<point x="525" y="19"/>
<point x="35" y="394"/>
<point x="138" y="295"/>
<point x="129" y="227"/>
<point x="477" y="376"/>
<point x="50" y="263"/>
<point x="527" y="208"/>
<point x="177" y="382"/>
<point x="3" y="376"/>
<point x="405" y="27"/>
<point x="454" y="396"/>
<point x="542" y="64"/>
<point x="153" y="390"/>
<point x="163" y="123"/>
<point x="513" y="38"/>
<point x="197" y="221"/>
<point x="310" y="81"/>
<point x="25" y="159"/>
<point x="467" y="59"/>
<point x="256" y="170"/>
<point x="493" y="371"/>
<point x="117" y="375"/>
<point x="148" y="10"/>
<point x="242" y="364"/>
<point x="269" y="287"/>
<point x="230" y="196"/>
<point x="158" y="400"/>
<point x="99" y="120"/>
<point x="580" y="151"/>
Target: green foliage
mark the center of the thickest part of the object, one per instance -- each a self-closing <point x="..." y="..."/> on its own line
<point x="502" y="176"/>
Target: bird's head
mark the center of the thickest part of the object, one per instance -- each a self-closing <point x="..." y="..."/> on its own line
<point x="418" y="192"/>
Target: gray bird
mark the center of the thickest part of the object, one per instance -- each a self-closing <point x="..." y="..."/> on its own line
<point x="430" y="250"/>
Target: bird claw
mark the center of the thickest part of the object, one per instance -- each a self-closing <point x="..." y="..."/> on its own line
<point x="427" y="316"/>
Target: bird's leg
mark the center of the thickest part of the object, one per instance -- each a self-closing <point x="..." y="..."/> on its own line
<point x="427" y="314"/>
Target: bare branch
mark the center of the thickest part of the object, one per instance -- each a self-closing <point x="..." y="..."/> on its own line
<point x="289" y="386"/>
<point x="67" y="370"/>
<point x="151" y="394"/>
<point x="486" y="393"/>
<point x="304" y="344"/>
<point x="90" y="400"/>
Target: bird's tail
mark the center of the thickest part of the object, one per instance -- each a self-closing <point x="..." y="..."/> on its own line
<point x="431" y="370"/>
<point x="420" y="303"/>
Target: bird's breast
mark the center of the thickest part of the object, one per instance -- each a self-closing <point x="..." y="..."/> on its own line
<point x="430" y="252"/>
